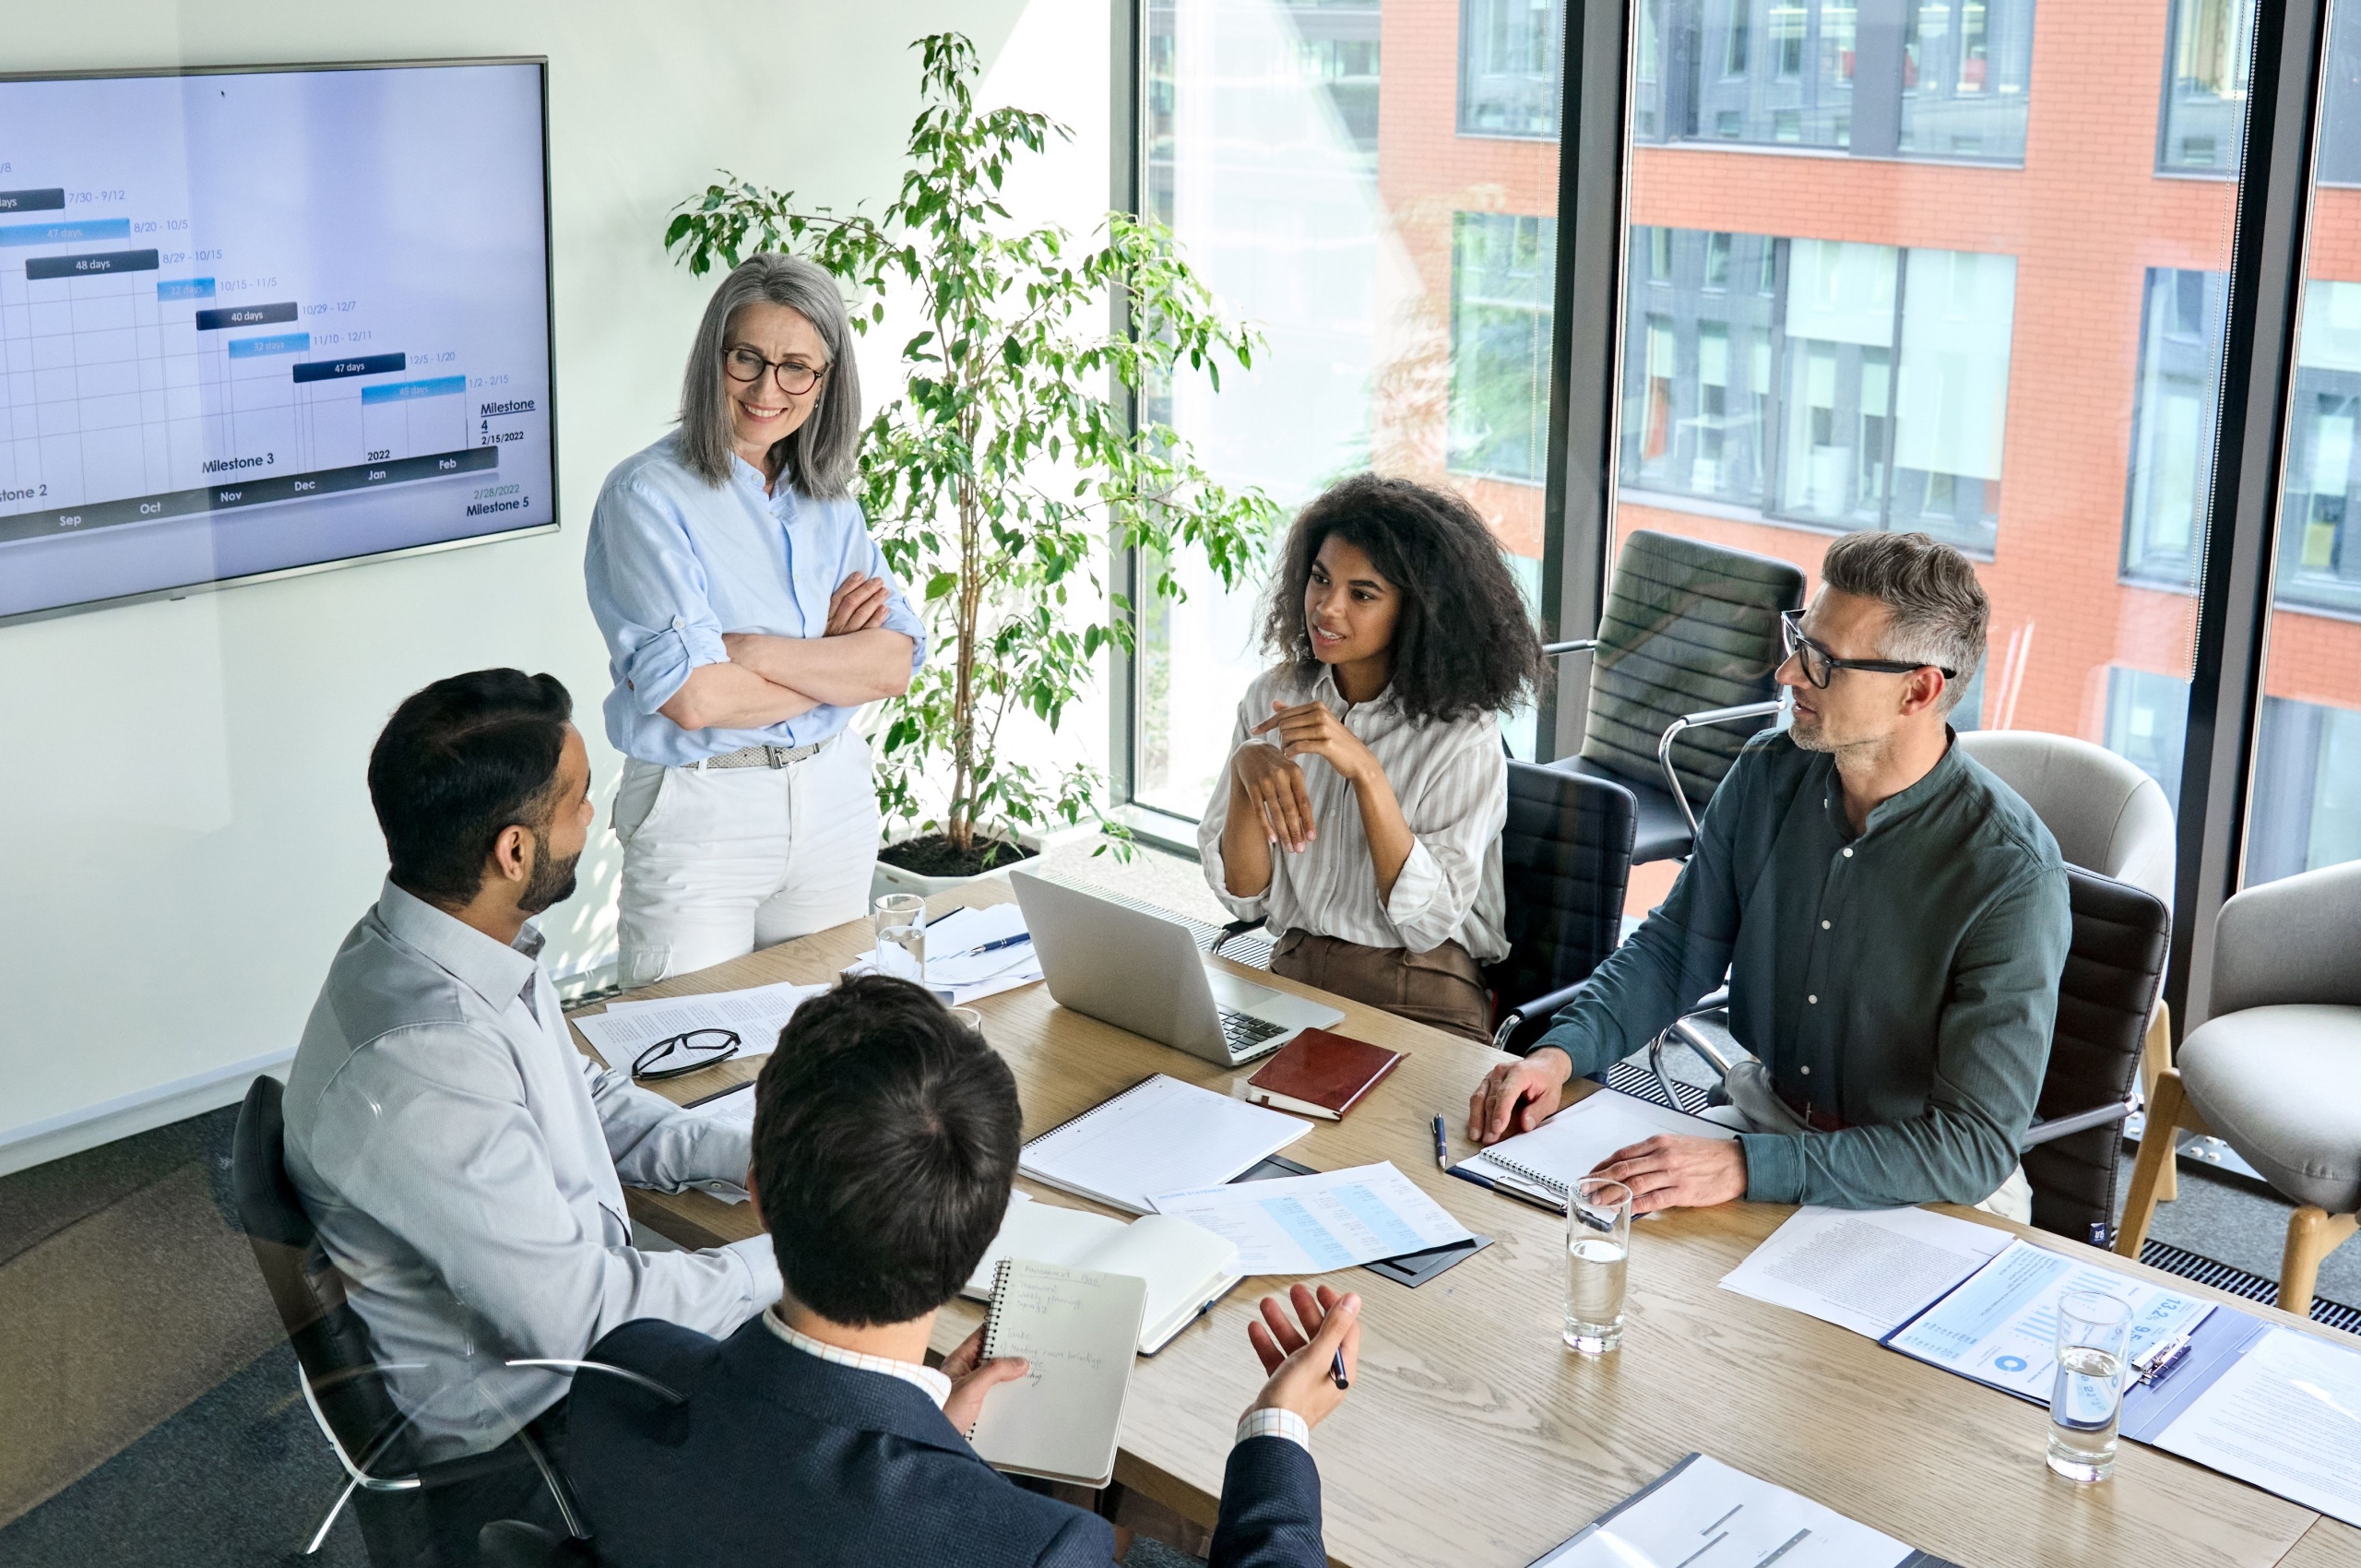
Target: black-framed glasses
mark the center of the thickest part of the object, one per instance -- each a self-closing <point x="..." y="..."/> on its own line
<point x="680" y="1053"/>
<point x="1819" y="665"/>
<point x="793" y="376"/>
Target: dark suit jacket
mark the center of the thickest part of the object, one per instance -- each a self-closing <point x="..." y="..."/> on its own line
<point x="779" y="1457"/>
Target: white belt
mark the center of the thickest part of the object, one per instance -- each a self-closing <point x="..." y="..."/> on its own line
<point x="762" y="756"/>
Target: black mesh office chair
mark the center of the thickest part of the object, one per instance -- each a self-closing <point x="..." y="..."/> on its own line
<point x="1681" y="676"/>
<point x="2115" y="960"/>
<point x="342" y="1382"/>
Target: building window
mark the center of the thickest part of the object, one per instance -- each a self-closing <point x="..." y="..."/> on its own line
<point x="1943" y="79"/>
<point x="2147" y="724"/>
<point x="1863" y="386"/>
<point x="2203" y="122"/>
<point x="2319" y="529"/>
<point x="1508" y="67"/>
<point x="1501" y="264"/>
<point x="2170" y="484"/>
<point x="2307" y="811"/>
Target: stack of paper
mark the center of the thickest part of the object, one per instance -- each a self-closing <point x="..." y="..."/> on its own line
<point x="959" y="968"/>
<point x="1869" y="1270"/>
<point x="626" y="1029"/>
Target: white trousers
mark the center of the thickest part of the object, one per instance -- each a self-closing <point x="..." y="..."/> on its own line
<point x="2013" y="1200"/>
<point x="718" y="863"/>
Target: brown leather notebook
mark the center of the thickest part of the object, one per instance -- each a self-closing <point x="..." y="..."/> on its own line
<point x="1321" y="1074"/>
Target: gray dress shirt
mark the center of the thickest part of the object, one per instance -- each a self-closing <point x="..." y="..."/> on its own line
<point x="464" y="1165"/>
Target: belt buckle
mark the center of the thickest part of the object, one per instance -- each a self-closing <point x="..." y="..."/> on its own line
<point x="772" y="755"/>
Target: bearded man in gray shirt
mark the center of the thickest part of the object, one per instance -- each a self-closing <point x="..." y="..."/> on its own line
<point x="463" y="1161"/>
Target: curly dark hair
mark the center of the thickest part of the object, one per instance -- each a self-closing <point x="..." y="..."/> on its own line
<point x="1464" y="644"/>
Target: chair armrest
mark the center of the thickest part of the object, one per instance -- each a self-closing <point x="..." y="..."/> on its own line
<point x="1698" y="720"/>
<point x="1234" y="928"/>
<point x="1580" y="645"/>
<point x="2079" y="1122"/>
<point x="640" y="1379"/>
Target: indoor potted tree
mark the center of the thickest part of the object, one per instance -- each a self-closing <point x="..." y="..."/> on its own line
<point x="1011" y="469"/>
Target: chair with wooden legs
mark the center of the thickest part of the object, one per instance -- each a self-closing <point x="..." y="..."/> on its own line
<point x="2275" y="1070"/>
<point x="2108" y="818"/>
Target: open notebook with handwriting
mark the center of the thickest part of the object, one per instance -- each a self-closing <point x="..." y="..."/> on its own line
<point x="1079" y="1329"/>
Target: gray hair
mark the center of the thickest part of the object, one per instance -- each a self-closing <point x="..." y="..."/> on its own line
<point x="818" y="456"/>
<point x="1939" y="611"/>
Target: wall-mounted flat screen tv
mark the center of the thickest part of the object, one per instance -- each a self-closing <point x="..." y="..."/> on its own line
<point x="262" y="321"/>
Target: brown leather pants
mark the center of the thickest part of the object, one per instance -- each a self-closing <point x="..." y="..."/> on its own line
<point x="1442" y="987"/>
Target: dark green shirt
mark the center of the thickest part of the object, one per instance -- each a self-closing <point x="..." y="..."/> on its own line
<point x="1904" y="981"/>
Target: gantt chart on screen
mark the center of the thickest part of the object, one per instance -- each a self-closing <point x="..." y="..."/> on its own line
<point x="255" y="321"/>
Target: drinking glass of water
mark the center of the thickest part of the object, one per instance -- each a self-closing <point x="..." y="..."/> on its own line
<point x="2086" y="1400"/>
<point x="1598" y="1241"/>
<point x="901" y="936"/>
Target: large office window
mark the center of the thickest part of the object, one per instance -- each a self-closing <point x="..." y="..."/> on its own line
<point x="1376" y="189"/>
<point x="1975" y="355"/>
<point x="1945" y="80"/>
<point x="2304" y="809"/>
<point x="1828" y="382"/>
<point x="2207" y="60"/>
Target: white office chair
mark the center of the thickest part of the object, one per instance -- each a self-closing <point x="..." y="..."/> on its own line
<point x="2275" y="1072"/>
<point x="2108" y="817"/>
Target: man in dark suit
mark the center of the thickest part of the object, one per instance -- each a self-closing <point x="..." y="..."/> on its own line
<point x="886" y="1135"/>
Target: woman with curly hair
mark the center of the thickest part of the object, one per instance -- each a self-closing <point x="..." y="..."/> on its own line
<point x="1370" y="754"/>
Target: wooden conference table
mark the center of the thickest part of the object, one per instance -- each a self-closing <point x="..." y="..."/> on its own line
<point x="1473" y="1437"/>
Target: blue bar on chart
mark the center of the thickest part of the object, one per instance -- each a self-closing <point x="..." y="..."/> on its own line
<point x="184" y="289"/>
<point x="244" y="316"/>
<point x="401" y="391"/>
<point x="50" y="200"/>
<point x="96" y="263"/>
<point x="360" y="364"/>
<point x="285" y="343"/>
<point x="66" y="233"/>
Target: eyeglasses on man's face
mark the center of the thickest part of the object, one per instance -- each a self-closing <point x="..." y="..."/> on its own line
<point x="1819" y="665"/>
<point x="793" y="376"/>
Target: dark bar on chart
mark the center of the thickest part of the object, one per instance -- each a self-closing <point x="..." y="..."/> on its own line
<point x="247" y="493"/>
<point x="244" y="316"/>
<point x="50" y="200"/>
<point x="93" y="266"/>
<point x="360" y="364"/>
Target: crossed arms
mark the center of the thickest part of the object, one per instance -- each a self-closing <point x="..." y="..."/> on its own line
<point x="768" y="679"/>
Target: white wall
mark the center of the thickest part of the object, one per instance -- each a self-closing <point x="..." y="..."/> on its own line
<point x="184" y="829"/>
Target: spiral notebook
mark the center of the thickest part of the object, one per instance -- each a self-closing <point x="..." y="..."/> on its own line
<point x="1563" y="1150"/>
<point x="1078" y="1328"/>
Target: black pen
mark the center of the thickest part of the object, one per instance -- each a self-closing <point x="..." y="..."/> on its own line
<point x="1336" y="1370"/>
<point x="1442" y="1147"/>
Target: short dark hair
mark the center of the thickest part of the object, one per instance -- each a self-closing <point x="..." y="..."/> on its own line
<point x="886" y="1140"/>
<point x="1464" y="644"/>
<point x="458" y="765"/>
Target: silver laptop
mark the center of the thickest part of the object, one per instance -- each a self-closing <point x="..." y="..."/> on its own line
<point x="1144" y="973"/>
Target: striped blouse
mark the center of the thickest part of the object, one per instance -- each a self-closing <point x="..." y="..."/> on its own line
<point x="1453" y="782"/>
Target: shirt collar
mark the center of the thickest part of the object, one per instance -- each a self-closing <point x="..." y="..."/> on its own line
<point x="497" y="973"/>
<point x="779" y="500"/>
<point x="925" y="1379"/>
<point x="1325" y="692"/>
<point x="1938" y="781"/>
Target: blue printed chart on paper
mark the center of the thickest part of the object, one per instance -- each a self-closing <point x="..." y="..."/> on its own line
<point x="1326" y="1220"/>
<point x="2001" y="1326"/>
<point x="263" y="320"/>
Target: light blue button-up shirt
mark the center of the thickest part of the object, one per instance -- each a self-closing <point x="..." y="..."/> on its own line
<point x="674" y="562"/>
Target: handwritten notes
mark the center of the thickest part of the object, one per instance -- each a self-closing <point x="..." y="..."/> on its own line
<point x="1078" y="1330"/>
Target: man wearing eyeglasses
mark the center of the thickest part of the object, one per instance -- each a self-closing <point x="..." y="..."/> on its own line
<point x="1892" y="919"/>
<point x="461" y="1160"/>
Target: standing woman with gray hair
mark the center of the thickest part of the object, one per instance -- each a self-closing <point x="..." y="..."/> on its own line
<point x="747" y="614"/>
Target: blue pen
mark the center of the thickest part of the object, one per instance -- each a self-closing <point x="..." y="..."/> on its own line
<point x="1021" y="937"/>
<point x="1442" y="1147"/>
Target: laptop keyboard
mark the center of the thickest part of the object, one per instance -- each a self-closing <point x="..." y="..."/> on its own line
<point x="1244" y="1031"/>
